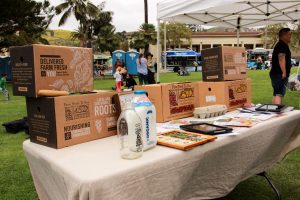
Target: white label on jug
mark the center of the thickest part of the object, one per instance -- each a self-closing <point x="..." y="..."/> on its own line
<point x="126" y="98"/>
<point x="149" y="113"/>
<point x="142" y="101"/>
<point x="138" y="132"/>
<point x="211" y="98"/>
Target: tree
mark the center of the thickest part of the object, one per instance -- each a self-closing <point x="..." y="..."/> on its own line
<point x="78" y="34"/>
<point x="80" y="8"/>
<point x="146" y="11"/>
<point x="123" y="43"/>
<point x="91" y="18"/>
<point x="272" y="34"/>
<point x="145" y="36"/>
<point x="23" y="22"/>
<point x="176" y="33"/>
<point x="295" y="43"/>
<point x="107" y="39"/>
<point x="83" y="11"/>
<point x="195" y="27"/>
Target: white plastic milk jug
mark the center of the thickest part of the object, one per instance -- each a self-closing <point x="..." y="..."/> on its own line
<point x="129" y="128"/>
<point x="146" y="111"/>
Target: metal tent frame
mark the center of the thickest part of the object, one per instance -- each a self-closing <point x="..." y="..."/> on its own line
<point x="226" y="13"/>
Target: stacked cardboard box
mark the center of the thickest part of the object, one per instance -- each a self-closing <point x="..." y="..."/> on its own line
<point x="43" y="67"/>
<point x="225" y="78"/>
<point x="224" y="64"/>
<point x="65" y="120"/>
<point x="172" y="100"/>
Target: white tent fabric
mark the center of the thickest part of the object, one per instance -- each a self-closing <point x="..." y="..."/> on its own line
<point x="225" y="13"/>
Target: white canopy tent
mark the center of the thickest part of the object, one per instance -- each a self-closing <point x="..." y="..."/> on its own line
<point x="227" y="13"/>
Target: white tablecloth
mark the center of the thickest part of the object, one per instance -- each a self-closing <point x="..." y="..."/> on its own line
<point x="94" y="170"/>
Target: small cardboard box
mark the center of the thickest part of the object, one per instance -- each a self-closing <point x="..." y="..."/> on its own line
<point x="44" y="67"/>
<point x="233" y="94"/>
<point x="172" y="100"/>
<point x="224" y="64"/>
<point x="68" y="120"/>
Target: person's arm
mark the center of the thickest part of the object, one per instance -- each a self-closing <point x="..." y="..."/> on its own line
<point x="282" y="64"/>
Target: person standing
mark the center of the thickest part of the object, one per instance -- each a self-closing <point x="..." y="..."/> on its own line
<point x="151" y="69"/>
<point x="259" y="62"/>
<point x="124" y="74"/>
<point x="3" y="86"/>
<point x="142" y="70"/>
<point x="118" y="78"/>
<point x="281" y="65"/>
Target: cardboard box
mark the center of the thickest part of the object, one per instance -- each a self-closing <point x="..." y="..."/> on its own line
<point x="233" y="94"/>
<point x="43" y="67"/>
<point x="224" y="63"/>
<point x="172" y="100"/>
<point x="68" y="120"/>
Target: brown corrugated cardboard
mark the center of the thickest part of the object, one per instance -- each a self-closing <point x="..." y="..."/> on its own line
<point x="43" y="67"/>
<point x="67" y="120"/>
<point x="233" y="94"/>
<point x="172" y="100"/>
<point x="224" y="63"/>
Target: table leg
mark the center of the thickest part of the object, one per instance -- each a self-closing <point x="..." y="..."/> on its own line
<point x="264" y="174"/>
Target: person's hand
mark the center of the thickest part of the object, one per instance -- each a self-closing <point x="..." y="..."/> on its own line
<point x="283" y="75"/>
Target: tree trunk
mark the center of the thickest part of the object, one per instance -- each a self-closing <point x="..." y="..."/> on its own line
<point x="146" y="11"/>
<point x="146" y="51"/>
<point x="81" y="42"/>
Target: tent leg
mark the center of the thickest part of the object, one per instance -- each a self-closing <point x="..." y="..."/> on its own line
<point x="238" y="37"/>
<point x="165" y="46"/>
<point x="264" y="174"/>
<point x="158" y="62"/>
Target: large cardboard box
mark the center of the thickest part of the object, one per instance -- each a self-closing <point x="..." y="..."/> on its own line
<point x="233" y="94"/>
<point x="224" y="63"/>
<point x="43" y="67"/>
<point x="67" y="120"/>
<point x="172" y="100"/>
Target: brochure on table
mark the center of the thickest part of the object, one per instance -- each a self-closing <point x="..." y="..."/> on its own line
<point x="235" y="119"/>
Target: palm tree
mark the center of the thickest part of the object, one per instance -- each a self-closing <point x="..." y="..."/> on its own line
<point x="78" y="34"/>
<point x="107" y="39"/>
<point x="146" y="11"/>
<point x="82" y="10"/>
<point x="145" y="36"/>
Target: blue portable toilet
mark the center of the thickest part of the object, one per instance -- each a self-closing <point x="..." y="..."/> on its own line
<point x="5" y="67"/>
<point x="118" y="55"/>
<point x="131" y="57"/>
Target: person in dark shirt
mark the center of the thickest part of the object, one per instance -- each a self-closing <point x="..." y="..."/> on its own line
<point x="281" y="65"/>
<point x="130" y="82"/>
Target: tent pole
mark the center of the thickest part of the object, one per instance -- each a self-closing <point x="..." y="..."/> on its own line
<point x="238" y="37"/>
<point x="298" y="69"/>
<point x="266" y="37"/>
<point x="158" y="61"/>
<point x="165" y="46"/>
<point x="238" y="27"/>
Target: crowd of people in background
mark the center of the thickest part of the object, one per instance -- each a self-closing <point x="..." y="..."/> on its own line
<point x="145" y="68"/>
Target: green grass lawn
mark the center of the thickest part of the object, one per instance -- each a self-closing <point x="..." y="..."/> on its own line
<point x="16" y="181"/>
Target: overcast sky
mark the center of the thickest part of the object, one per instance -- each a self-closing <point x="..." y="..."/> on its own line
<point x="128" y="14"/>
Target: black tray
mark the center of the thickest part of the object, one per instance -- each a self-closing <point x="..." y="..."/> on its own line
<point x="271" y="108"/>
<point x="206" y="128"/>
